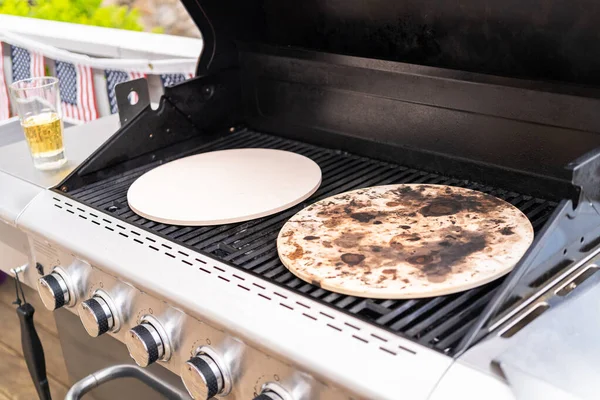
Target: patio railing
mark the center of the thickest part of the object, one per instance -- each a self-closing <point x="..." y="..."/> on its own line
<point x="110" y="56"/>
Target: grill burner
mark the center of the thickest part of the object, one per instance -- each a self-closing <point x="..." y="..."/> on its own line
<point x="438" y="322"/>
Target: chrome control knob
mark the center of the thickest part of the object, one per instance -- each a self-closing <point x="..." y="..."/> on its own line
<point x="273" y="391"/>
<point x="53" y="291"/>
<point x="268" y="396"/>
<point x="145" y="344"/>
<point x="96" y="316"/>
<point x="202" y="377"/>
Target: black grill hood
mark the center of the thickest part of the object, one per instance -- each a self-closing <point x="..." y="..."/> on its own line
<point x="534" y="39"/>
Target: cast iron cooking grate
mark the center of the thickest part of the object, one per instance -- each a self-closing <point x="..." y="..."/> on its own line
<point x="438" y="322"/>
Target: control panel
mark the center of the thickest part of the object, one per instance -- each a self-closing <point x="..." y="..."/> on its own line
<point x="210" y="361"/>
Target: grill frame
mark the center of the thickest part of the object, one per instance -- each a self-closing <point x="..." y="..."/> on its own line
<point x="412" y="319"/>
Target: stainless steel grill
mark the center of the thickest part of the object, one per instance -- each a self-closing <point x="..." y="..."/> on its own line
<point x="333" y="84"/>
<point x="438" y="322"/>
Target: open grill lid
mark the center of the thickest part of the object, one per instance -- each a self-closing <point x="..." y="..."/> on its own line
<point x="537" y="39"/>
<point x="406" y="74"/>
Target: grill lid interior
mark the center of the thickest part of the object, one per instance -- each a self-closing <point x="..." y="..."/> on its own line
<point x="549" y="40"/>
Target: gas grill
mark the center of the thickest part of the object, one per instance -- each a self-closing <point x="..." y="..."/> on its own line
<point x="216" y="306"/>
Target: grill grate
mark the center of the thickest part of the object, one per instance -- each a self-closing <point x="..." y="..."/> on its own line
<point x="438" y="322"/>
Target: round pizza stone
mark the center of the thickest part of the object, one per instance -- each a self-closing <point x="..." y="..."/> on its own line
<point x="223" y="187"/>
<point x="404" y="241"/>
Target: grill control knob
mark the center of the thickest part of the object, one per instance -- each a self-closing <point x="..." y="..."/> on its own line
<point x="202" y="377"/>
<point x="53" y="291"/>
<point x="145" y="344"/>
<point x="273" y="391"/>
<point x="268" y="396"/>
<point x="97" y="316"/>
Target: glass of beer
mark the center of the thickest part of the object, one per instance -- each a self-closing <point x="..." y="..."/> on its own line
<point x="37" y="101"/>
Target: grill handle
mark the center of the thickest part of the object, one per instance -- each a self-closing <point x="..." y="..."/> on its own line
<point x="33" y="351"/>
<point x="96" y="379"/>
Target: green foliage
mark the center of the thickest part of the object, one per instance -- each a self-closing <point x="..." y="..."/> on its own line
<point x="87" y="12"/>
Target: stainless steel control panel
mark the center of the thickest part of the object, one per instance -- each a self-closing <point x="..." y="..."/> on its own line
<point x="212" y="361"/>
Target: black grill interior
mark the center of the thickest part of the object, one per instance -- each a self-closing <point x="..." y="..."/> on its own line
<point x="438" y="322"/>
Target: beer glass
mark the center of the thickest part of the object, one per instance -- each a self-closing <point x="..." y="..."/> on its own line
<point x="37" y="101"/>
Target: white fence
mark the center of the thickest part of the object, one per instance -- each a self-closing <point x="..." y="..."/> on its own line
<point x="108" y="48"/>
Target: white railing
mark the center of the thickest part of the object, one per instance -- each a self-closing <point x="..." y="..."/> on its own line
<point x="169" y="53"/>
<point x="103" y="42"/>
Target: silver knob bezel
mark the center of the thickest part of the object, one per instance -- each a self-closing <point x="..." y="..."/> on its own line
<point x="190" y="374"/>
<point x="134" y="342"/>
<point x="164" y="337"/>
<point x="277" y="389"/>
<point x="115" y="311"/>
<point x="46" y="293"/>
<point x="73" y="297"/>
<point x="109" y="309"/>
<point x="271" y="395"/>
<point x="221" y="364"/>
<point x="90" y="320"/>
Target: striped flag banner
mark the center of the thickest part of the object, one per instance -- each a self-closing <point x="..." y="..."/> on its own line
<point x="174" y="79"/>
<point x="77" y="95"/>
<point x="4" y="104"/>
<point x="26" y="64"/>
<point x="113" y="78"/>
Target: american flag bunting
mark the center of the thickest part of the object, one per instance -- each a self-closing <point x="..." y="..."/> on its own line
<point x="77" y="95"/>
<point x="26" y="64"/>
<point x="173" y="79"/>
<point x="4" y="106"/>
<point x="113" y="78"/>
